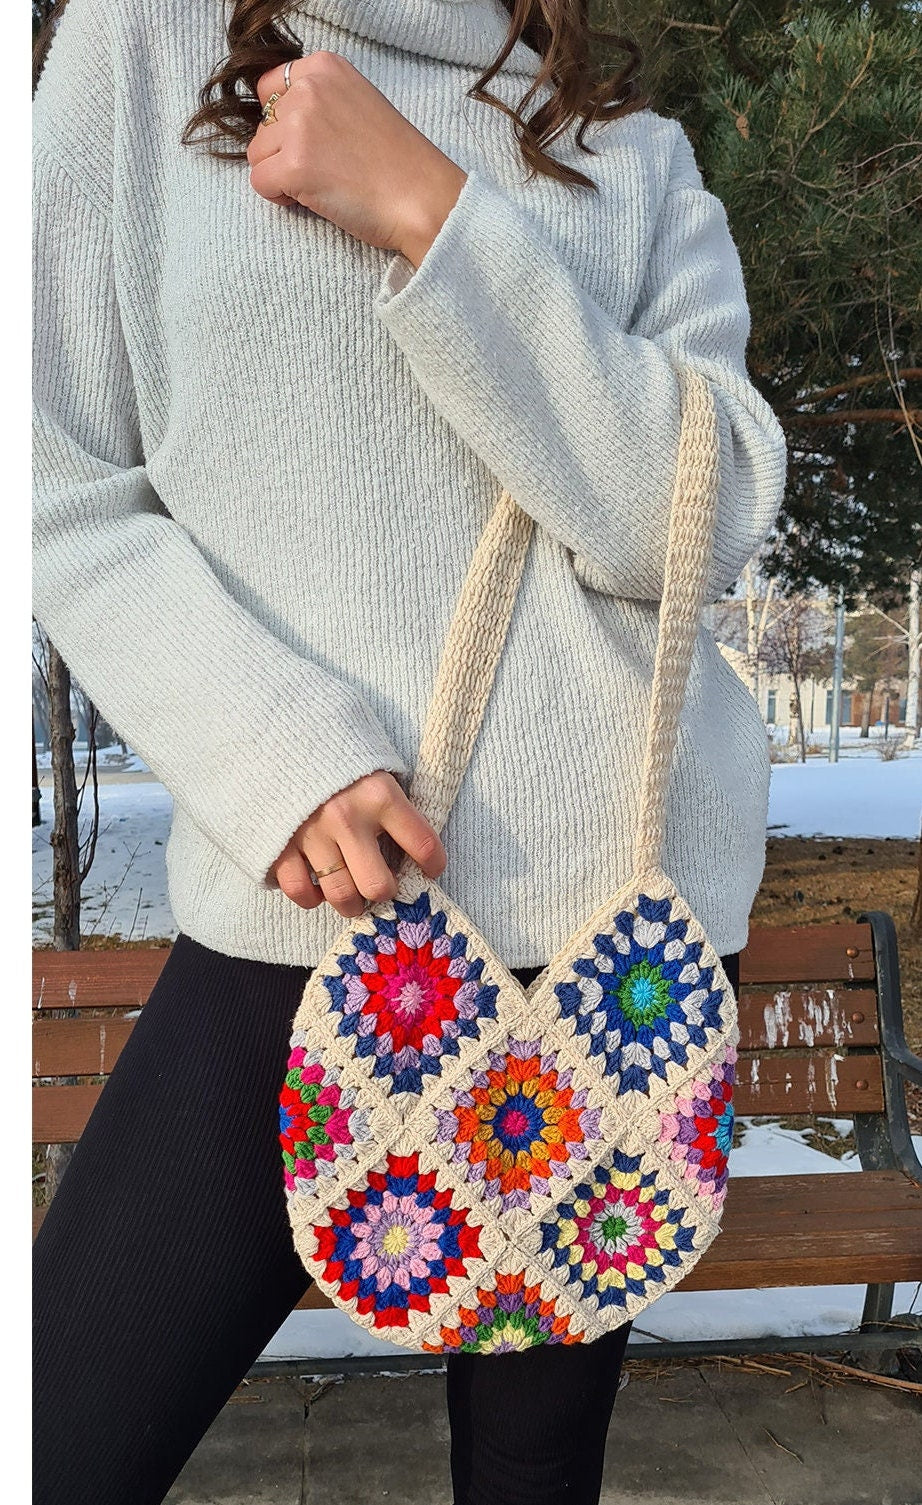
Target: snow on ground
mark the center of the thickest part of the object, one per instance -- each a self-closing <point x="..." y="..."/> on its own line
<point x="125" y="891"/>
<point x="106" y="757"/>
<point x="861" y="795"/>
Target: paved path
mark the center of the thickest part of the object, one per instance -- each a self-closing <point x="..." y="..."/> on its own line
<point x="698" y="1435"/>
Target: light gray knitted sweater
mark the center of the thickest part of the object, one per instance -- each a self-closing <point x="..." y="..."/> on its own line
<point x="264" y="452"/>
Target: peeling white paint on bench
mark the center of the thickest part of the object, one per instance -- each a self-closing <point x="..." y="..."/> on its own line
<point x="818" y="1081"/>
<point x="818" y="1016"/>
<point x="777" y="1018"/>
<point x="832" y="1077"/>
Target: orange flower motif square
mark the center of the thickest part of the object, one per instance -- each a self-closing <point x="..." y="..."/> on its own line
<point x="518" y="1124"/>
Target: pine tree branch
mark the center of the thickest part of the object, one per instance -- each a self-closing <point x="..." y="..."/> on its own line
<point x="820" y="125"/>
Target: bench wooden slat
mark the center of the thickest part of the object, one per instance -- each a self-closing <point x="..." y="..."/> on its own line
<point x="95" y="979"/>
<point x="59" y="1114"/>
<point x="801" y="1232"/>
<point x="883" y="1259"/>
<point x="77" y="1047"/>
<point x="823" y="1236"/>
<point x="811" y="1082"/>
<point x="807" y="953"/>
<point x="767" y="1200"/>
<point x="792" y="1018"/>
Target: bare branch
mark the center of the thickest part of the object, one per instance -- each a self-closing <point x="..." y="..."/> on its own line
<point x="910" y="373"/>
<point x="901" y="416"/>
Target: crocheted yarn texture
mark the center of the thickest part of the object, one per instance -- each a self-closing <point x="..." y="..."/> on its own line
<point x="472" y="1164"/>
<point x="556" y="1156"/>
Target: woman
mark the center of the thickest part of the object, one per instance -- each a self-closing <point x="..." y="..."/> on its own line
<point x="276" y="397"/>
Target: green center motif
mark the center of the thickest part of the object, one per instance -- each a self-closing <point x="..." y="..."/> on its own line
<point x="644" y="994"/>
<point x="613" y="1228"/>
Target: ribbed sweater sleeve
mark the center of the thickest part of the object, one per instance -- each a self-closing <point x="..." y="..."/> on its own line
<point x="247" y="735"/>
<point x="576" y="416"/>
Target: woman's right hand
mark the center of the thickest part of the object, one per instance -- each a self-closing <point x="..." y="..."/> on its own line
<point x="345" y="828"/>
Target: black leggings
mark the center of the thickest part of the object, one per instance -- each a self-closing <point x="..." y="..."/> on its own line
<point x="166" y="1263"/>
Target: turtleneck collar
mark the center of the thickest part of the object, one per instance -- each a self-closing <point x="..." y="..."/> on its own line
<point x="469" y="32"/>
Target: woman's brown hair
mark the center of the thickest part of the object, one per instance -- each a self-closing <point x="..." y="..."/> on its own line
<point x="558" y="30"/>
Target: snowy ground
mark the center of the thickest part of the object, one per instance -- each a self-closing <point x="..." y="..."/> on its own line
<point x="125" y="892"/>
<point x="860" y="796"/>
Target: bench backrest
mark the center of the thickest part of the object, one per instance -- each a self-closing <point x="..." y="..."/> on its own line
<point x="810" y="1002"/>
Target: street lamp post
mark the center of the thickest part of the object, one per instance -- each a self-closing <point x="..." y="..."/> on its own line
<point x="838" y="653"/>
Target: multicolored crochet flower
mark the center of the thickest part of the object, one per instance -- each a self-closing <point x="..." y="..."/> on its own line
<point x="617" y="1233"/>
<point x="397" y="1243"/>
<point x="643" y="998"/>
<point x="508" y="1317"/>
<point x="518" y="1123"/>
<point x="699" y="1129"/>
<point x="319" y="1123"/>
<point x="408" y="993"/>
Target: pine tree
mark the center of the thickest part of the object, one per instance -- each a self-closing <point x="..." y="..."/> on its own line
<point x="805" y="122"/>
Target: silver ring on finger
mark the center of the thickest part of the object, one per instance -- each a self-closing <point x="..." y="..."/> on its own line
<point x="287" y="73"/>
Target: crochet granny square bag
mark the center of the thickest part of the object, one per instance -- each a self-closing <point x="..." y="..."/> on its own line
<point x="478" y="1166"/>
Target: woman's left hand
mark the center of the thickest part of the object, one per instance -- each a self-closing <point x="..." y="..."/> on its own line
<point x="340" y="148"/>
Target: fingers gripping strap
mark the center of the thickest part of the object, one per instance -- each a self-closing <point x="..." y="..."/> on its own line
<point x="688" y="555"/>
<point x="484" y="609"/>
<point x="469" y="660"/>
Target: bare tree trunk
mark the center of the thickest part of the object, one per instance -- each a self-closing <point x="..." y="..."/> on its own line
<point x="866" y="712"/>
<point x="65" y="842"/>
<point x="65" y="845"/>
<point x="755" y="627"/>
<point x="796" y="718"/>
<point x="915" y="646"/>
<point x="752" y="667"/>
<point x="36" y="789"/>
<point x="58" y="1156"/>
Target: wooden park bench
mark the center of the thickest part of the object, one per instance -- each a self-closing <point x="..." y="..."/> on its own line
<point x="821" y="1035"/>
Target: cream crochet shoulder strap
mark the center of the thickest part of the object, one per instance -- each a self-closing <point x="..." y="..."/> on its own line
<point x="484" y="609"/>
